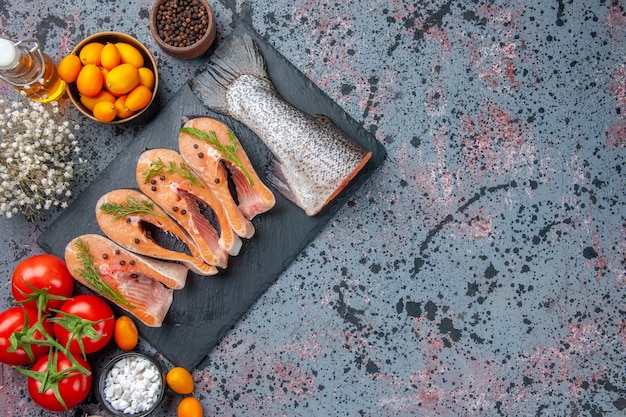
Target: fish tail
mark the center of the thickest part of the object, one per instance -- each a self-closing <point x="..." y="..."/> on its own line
<point x="236" y="56"/>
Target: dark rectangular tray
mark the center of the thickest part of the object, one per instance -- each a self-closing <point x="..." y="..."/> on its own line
<point x="203" y="312"/>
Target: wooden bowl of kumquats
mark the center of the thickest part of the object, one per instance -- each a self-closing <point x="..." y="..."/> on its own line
<point x="111" y="77"/>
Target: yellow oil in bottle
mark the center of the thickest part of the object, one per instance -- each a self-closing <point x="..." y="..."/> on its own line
<point x="30" y="71"/>
<point x="48" y="88"/>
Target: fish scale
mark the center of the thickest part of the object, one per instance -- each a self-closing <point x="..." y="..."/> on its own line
<point x="315" y="160"/>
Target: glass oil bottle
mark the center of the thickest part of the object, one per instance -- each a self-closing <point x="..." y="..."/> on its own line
<point x="29" y="70"/>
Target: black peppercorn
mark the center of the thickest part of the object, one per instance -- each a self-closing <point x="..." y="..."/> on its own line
<point x="181" y="23"/>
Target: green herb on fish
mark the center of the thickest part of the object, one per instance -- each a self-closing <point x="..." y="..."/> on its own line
<point x="229" y="151"/>
<point x="92" y="275"/>
<point x="159" y="167"/>
<point x="133" y="206"/>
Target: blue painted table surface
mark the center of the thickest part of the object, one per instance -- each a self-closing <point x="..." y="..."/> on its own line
<point x="479" y="272"/>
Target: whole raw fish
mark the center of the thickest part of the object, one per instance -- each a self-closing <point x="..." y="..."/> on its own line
<point x="315" y="159"/>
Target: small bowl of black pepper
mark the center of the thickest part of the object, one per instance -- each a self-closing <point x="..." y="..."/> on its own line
<point x="184" y="29"/>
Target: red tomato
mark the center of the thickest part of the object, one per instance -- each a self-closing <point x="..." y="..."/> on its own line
<point x="42" y="272"/>
<point x="93" y="327"/>
<point x="72" y="388"/>
<point x="13" y="320"/>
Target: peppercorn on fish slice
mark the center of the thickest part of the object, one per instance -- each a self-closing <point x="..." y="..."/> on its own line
<point x="163" y="175"/>
<point x="315" y="159"/>
<point x="211" y="148"/>
<point x="131" y="281"/>
<point x="122" y="215"/>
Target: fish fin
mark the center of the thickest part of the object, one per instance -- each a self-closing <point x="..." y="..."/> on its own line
<point x="322" y="118"/>
<point x="277" y="178"/>
<point x="236" y="56"/>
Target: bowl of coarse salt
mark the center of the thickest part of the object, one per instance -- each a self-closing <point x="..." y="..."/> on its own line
<point x="131" y="385"/>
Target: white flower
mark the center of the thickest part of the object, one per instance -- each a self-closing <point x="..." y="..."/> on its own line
<point x="37" y="158"/>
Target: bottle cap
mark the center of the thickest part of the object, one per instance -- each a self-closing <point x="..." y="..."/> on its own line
<point x="9" y="56"/>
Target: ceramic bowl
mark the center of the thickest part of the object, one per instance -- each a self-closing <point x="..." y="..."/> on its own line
<point x="114" y="37"/>
<point x="118" y="369"/>
<point x="190" y="51"/>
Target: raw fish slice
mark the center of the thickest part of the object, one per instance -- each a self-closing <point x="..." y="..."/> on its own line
<point x="315" y="159"/>
<point x="132" y="282"/>
<point x="208" y="146"/>
<point x="163" y="175"/>
<point x="122" y="214"/>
